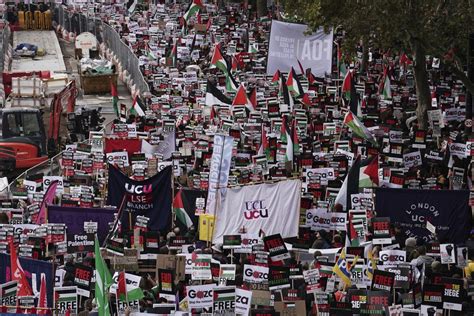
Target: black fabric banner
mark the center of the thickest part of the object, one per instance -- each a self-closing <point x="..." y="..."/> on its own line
<point x="447" y="210"/>
<point x="151" y="198"/>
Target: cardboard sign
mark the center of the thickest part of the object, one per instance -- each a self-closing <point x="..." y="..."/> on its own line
<point x="402" y="276"/>
<point x="448" y="253"/>
<point x="452" y="294"/>
<point x="256" y="274"/>
<point x="243" y="301"/>
<point x="65" y="298"/>
<point x="232" y="241"/>
<point x="224" y="300"/>
<point x="82" y="279"/>
<point x="433" y="295"/>
<point x="383" y="280"/>
<point x="276" y="247"/>
<point x="80" y="243"/>
<point x="393" y="256"/>
<point x="166" y="281"/>
<point x="278" y="278"/>
<point x="201" y="267"/>
<point x="200" y="296"/>
<point x="381" y="226"/>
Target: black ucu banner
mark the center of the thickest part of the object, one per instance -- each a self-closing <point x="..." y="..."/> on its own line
<point x="150" y="198"/>
<point x="448" y="211"/>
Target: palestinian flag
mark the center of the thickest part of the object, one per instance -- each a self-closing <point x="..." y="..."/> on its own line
<point x="114" y="93"/>
<point x="358" y="128"/>
<point x="173" y="54"/>
<point x="219" y="61"/>
<point x="361" y="174"/>
<point x="287" y="98"/>
<point x="235" y="64"/>
<point x="296" y="143"/>
<point x="311" y="79"/>
<point x="264" y="145"/>
<point x="127" y="293"/>
<point x="276" y="78"/>
<point x="230" y="84"/>
<point x="349" y="91"/>
<point x="241" y="98"/>
<point x="369" y="173"/>
<point x="137" y="107"/>
<point x="215" y="96"/>
<point x="349" y="186"/>
<point x="385" y="87"/>
<point x="286" y="138"/>
<point x="253" y="98"/>
<point x="196" y="5"/>
<point x="293" y="84"/>
<point x="184" y="206"/>
<point x="301" y="66"/>
<point x="305" y="100"/>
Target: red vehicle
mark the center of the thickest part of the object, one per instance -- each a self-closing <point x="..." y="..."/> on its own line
<point x="23" y="140"/>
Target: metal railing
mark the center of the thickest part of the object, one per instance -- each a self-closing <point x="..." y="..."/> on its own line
<point x="5" y="38"/>
<point x="77" y="22"/>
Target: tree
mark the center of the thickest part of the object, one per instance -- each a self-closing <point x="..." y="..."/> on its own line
<point x="439" y="28"/>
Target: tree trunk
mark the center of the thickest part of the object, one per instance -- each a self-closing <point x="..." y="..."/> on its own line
<point x="365" y="55"/>
<point x="262" y="9"/>
<point x="422" y="86"/>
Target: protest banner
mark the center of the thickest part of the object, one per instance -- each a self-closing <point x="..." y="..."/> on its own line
<point x="219" y="171"/>
<point x="33" y="269"/>
<point x="448" y="253"/>
<point x="288" y="44"/>
<point x="150" y="198"/>
<point x="8" y="292"/>
<point x="393" y="256"/>
<point x="382" y="234"/>
<point x="262" y="207"/>
<point x="278" y="278"/>
<point x="201" y="267"/>
<point x="453" y="294"/>
<point x="231" y="241"/>
<point x="75" y="217"/>
<point x="448" y="211"/>
<point x="433" y="295"/>
<point x="166" y="281"/>
<point x="256" y="275"/>
<point x="80" y="243"/>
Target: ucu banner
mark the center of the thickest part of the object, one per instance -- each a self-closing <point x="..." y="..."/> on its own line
<point x="273" y="208"/>
<point x="448" y="211"/>
<point x="150" y="198"/>
<point x="255" y="210"/>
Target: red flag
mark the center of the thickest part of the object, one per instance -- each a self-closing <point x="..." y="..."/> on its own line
<point x="235" y="64"/>
<point x="42" y="301"/>
<point x="47" y="199"/>
<point x="17" y="273"/>
<point x="199" y="18"/>
<point x="122" y="285"/>
<point x="209" y="23"/>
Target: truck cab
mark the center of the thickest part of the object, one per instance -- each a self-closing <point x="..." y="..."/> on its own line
<point x="22" y="139"/>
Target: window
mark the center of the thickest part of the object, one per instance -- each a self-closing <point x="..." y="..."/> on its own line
<point x="30" y="124"/>
<point x="13" y="128"/>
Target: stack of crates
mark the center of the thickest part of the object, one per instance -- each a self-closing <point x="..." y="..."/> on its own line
<point x="35" y="21"/>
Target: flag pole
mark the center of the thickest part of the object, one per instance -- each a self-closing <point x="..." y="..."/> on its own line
<point x="217" y="195"/>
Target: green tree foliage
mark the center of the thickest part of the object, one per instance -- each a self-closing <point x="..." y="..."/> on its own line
<point x="417" y="27"/>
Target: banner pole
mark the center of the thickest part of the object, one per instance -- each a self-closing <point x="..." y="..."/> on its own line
<point x="173" y="214"/>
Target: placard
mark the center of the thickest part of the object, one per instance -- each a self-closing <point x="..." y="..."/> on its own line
<point x="383" y="280"/>
<point x="276" y="247"/>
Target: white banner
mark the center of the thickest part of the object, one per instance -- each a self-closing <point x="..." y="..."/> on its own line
<point x="200" y="296"/>
<point x="320" y="219"/>
<point x="288" y="44"/>
<point x="273" y="208"/>
<point x="243" y="300"/>
<point x="219" y="171"/>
